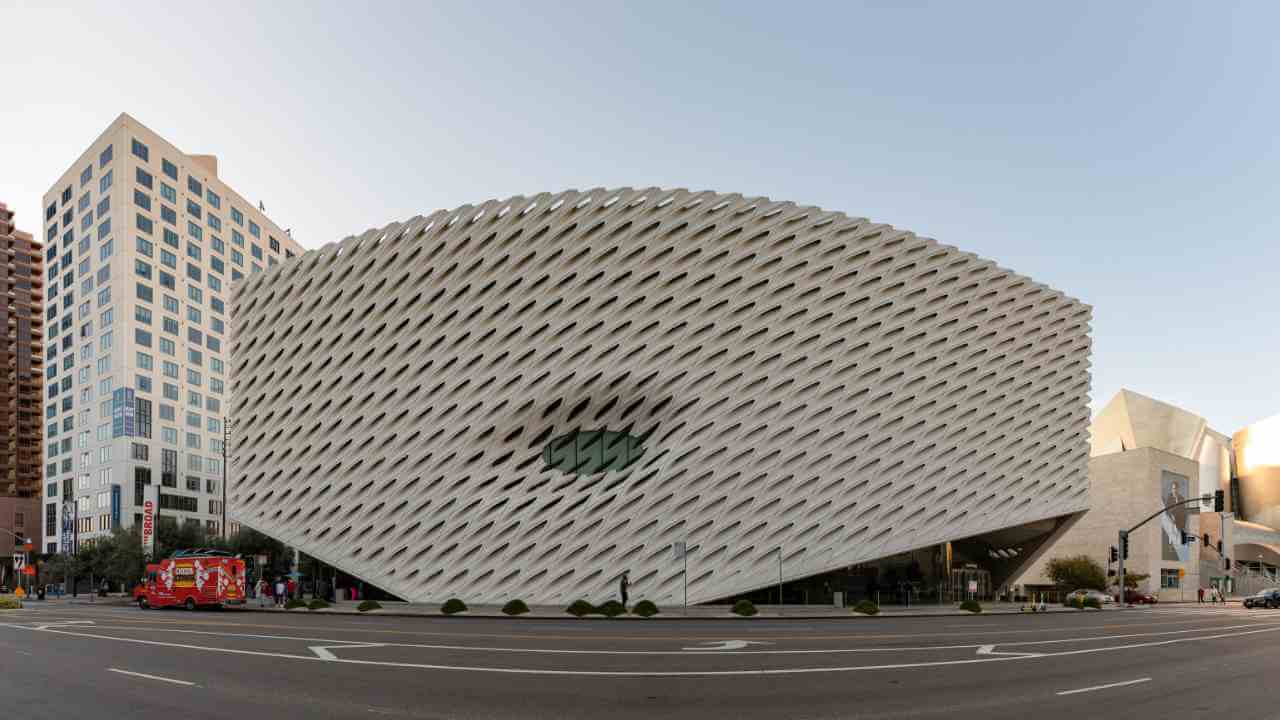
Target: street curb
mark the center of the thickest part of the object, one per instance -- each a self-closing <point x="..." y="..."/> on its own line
<point x="728" y="617"/>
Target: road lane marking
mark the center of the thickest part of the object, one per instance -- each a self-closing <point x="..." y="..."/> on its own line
<point x="690" y="651"/>
<point x="152" y="677"/>
<point x="1104" y="687"/>
<point x="991" y="650"/>
<point x="978" y="629"/>
<point x="713" y="645"/>
<point x="322" y="651"/>
<point x="662" y="673"/>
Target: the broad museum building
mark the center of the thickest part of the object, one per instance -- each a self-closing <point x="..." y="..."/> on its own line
<point x="525" y="398"/>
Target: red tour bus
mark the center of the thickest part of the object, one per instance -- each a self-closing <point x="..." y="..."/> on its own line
<point x="192" y="579"/>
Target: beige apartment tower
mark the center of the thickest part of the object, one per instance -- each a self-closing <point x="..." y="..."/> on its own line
<point x="143" y="244"/>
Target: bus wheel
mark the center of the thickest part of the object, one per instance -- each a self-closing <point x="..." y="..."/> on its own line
<point x="190" y="604"/>
<point x="142" y="603"/>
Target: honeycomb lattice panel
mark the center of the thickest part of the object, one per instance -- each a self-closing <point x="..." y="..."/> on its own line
<point x="781" y="376"/>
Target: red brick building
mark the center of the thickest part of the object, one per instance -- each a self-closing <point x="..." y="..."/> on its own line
<point x="21" y="384"/>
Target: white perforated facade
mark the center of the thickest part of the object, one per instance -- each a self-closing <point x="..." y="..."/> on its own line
<point x="766" y="375"/>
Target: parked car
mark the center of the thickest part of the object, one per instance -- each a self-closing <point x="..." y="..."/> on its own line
<point x="1264" y="599"/>
<point x="1133" y="597"/>
<point x="1098" y="595"/>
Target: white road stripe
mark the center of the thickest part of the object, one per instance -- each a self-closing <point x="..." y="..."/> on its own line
<point x="661" y="673"/>
<point x="151" y="677"/>
<point x="1104" y="687"/>
<point x="334" y="643"/>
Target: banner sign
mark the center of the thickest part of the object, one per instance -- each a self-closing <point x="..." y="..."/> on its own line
<point x="150" y="504"/>
<point x="115" y="506"/>
<point x="678" y="550"/>
<point x="68" y="525"/>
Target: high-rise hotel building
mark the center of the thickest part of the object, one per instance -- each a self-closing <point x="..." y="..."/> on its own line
<point x="142" y="244"/>
<point x="21" y="376"/>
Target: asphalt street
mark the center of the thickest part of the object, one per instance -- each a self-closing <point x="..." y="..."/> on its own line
<point x="121" y="662"/>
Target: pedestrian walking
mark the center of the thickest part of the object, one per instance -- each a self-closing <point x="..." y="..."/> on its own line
<point x="292" y="588"/>
<point x="280" y="588"/>
<point x="1200" y="596"/>
<point x="623" y="584"/>
<point x="264" y="592"/>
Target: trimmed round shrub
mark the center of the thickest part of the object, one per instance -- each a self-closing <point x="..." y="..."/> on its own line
<point x="317" y="604"/>
<point x="611" y="608"/>
<point x="294" y="604"/>
<point x="867" y="607"/>
<point x="644" y="608"/>
<point x="744" y="608"/>
<point x="367" y="605"/>
<point x="971" y="606"/>
<point x="515" y="607"/>
<point x="580" y="608"/>
<point x="1092" y="602"/>
<point x="8" y="603"/>
<point x="452" y="606"/>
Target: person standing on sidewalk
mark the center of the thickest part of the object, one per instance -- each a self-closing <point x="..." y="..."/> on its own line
<point x="1200" y="596"/>
<point x="623" y="584"/>
<point x="280" y="588"/>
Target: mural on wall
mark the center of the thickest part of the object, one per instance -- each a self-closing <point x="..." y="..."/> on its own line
<point x="1173" y="489"/>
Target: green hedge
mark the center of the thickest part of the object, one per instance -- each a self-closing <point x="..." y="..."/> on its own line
<point x="452" y="606"/>
<point x="867" y="607"/>
<point x="1092" y="602"/>
<point x="515" y="607"/>
<point x="645" y="608"/>
<point x="317" y="604"/>
<point x="8" y="603"/>
<point x="580" y="608"/>
<point x="971" y="605"/>
<point x="611" y="608"/>
<point x="294" y="604"/>
<point x="367" y="605"/>
<point x="744" y="608"/>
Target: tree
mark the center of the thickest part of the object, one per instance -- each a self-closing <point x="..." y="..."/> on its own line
<point x="1078" y="572"/>
<point x="1131" y="580"/>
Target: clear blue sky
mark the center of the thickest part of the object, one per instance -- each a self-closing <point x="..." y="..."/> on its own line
<point x="1125" y="153"/>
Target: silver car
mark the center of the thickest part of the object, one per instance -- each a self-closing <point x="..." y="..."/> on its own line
<point x="1101" y="597"/>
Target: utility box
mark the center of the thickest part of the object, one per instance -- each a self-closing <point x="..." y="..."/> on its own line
<point x="838" y="599"/>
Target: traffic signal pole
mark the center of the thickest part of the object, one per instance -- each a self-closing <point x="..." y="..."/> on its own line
<point x="1216" y="499"/>
<point x="1122" y="550"/>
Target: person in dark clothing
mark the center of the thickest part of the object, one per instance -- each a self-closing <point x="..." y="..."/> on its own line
<point x="623" y="584"/>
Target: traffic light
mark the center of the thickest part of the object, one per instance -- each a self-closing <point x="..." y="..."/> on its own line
<point x="1206" y="539"/>
<point x="1219" y="547"/>
<point x="1115" y="554"/>
<point x="1228" y="561"/>
<point x="1124" y="545"/>
<point x="1219" y="501"/>
<point x="1185" y="538"/>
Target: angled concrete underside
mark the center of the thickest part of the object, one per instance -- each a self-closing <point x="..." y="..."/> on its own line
<point x="785" y="377"/>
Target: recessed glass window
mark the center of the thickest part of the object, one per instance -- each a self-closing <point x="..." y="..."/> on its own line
<point x="589" y="452"/>
<point x="141" y="150"/>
